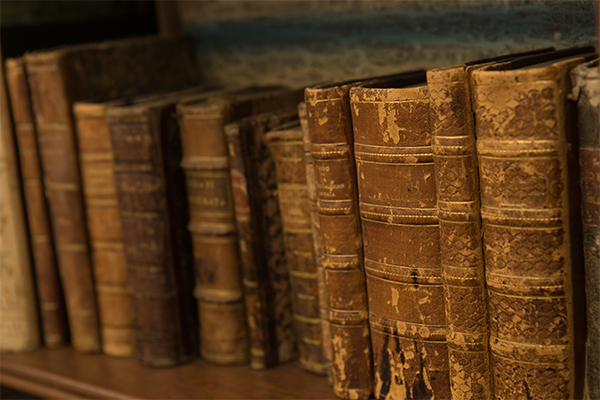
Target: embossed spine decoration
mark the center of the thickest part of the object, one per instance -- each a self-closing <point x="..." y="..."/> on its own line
<point x="457" y="188"/>
<point x="264" y="266"/>
<point x="52" y="98"/>
<point x="288" y="151"/>
<point x="522" y="123"/>
<point x="153" y="211"/>
<point x="397" y="198"/>
<point x="19" y="328"/>
<point x="104" y="225"/>
<point x="53" y="315"/>
<point x="219" y="291"/>
<point x="316" y="234"/>
<point x="586" y="90"/>
<point x="330" y="126"/>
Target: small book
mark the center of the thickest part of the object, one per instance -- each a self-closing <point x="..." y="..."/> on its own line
<point x="287" y="148"/>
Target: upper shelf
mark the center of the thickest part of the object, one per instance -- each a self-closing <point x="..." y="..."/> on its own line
<point x="64" y="373"/>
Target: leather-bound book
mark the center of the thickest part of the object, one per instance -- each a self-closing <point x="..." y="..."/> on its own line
<point x="153" y="210"/>
<point x="287" y="148"/>
<point x="19" y="329"/>
<point x="55" y="331"/>
<point x="57" y="79"/>
<point x="267" y="291"/>
<point x="586" y="90"/>
<point x="219" y="290"/>
<point x="316" y="234"/>
<point x="527" y="152"/>
<point x="397" y="201"/>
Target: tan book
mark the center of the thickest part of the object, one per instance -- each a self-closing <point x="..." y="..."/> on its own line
<point x="55" y="331"/>
<point x="58" y="78"/>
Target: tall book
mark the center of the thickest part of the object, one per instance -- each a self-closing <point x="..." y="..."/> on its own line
<point x="219" y="290"/>
<point x="55" y="331"/>
<point x="264" y="268"/>
<point x="397" y="201"/>
<point x="57" y="79"/>
<point x="586" y="90"/>
<point x="153" y="210"/>
<point x="527" y="148"/>
<point x="19" y="329"/>
<point x="316" y="234"/>
<point x="287" y="148"/>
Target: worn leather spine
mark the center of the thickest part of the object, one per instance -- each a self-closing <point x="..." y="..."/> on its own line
<point x="153" y="211"/>
<point x="288" y="152"/>
<point x="219" y="290"/>
<point x="524" y="127"/>
<point x="19" y="329"/>
<point x="397" y="199"/>
<point x="330" y="126"/>
<point x="265" y="277"/>
<point x="55" y="331"/>
<point x="104" y="225"/>
<point x="457" y="189"/>
<point x="316" y="234"/>
<point x="586" y="91"/>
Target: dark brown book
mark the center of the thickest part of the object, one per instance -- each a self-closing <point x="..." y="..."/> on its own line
<point x="264" y="268"/>
<point x="57" y="79"/>
<point x="287" y="148"/>
<point x="527" y="147"/>
<point x="397" y="200"/>
<point x="55" y="331"/>
<point x="153" y="211"/>
<point x="219" y="291"/>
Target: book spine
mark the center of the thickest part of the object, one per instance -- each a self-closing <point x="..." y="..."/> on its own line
<point x="587" y="79"/>
<point x="52" y="98"/>
<point x="219" y="290"/>
<point x="155" y="264"/>
<point x="316" y="234"/>
<point x="19" y="328"/>
<point x="521" y="121"/>
<point x="288" y="153"/>
<point x="330" y="127"/>
<point x="104" y="225"/>
<point x="51" y="302"/>
<point x="457" y="188"/>
<point x="397" y="200"/>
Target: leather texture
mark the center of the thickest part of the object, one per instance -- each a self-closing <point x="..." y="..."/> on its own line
<point x="219" y="290"/>
<point x="457" y="188"/>
<point x="264" y="267"/>
<point x="397" y="199"/>
<point x="287" y="148"/>
<point x="586" y="91"/>
<point x="19" y="330"/>
<point x="55" y="331"/>
<point x="153" y="210"/>
<point x="316" y="234"/>
<point x="532" y="257"/>
<point x="57" y="79"/>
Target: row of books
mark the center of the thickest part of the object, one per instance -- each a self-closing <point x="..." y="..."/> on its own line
<point x="412" y="236"/>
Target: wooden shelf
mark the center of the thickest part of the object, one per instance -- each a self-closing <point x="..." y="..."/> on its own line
<point x="64" y="373"/>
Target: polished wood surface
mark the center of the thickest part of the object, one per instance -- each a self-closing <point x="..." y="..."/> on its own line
<point x="64" y="373"/>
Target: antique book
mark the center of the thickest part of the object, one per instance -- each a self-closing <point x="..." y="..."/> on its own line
<point x="153" y="210"/>
<point x="265" y="277"/>
<point x="287" y="148"/>
<point x="586" y="91"/>
<point x="57" y="79"/>
<point x="219" y="290"/>
<point x="526" y="147"/>
<point x="397" y="202"/>
<point x="19" y="329"/>
<point x="55" y="331"/>
<point x="316" y="234"/>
